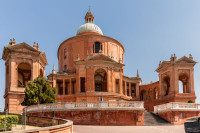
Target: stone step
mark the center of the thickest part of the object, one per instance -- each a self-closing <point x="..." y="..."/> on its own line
<point x="151" y="119"/>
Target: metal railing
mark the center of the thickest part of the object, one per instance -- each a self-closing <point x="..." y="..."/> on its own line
<point x="176" y="106"/>
<point x="86" y="105"/>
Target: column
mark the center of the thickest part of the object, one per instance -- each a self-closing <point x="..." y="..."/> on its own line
<point x="113" y="81"/>
<point x="13" y="75"/>
<point x="34" y="68"/>
<point x="137" y="90"/>
<point x="63" y="86"/>
<point x="120" y="83"/>
<point x="44" y="72"/>
<point x="92" y="79"/>
<point x="184" y="86"/>
<point x="77" y="81"/>
<point x="191" y="81"/>
<point x="174" y="85"/>
<point x="125" y="88"/>
<point x="87" y="80"/>
<point x="108" y="81"/>
<point x="175" y="82"/>
<point x="53" y="81"/>
<point x="129" y="89"/>
<point x="70" y="86"/>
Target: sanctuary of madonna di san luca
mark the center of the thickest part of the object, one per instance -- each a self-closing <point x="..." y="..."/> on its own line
<point x="91" y="86"/>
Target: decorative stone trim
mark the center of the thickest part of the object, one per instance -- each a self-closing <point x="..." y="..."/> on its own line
<point x="133" y="105"/>
<point x="176" y="106"/>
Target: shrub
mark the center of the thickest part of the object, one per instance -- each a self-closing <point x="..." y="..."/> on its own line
<point x="190" y="101"/>
<point x="10" y="121"/>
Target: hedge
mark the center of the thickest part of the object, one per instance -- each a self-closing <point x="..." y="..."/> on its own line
<point x="10" y="121"/>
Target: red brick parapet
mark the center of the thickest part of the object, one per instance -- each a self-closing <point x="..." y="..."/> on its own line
<point x="98" y="117"/>
<point x="97" y="113"/>
<point x="176" y="112"/>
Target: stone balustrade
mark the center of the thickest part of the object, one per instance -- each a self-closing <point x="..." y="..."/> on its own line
<point x="177" y="106"/>
<point x="136" y="105"/>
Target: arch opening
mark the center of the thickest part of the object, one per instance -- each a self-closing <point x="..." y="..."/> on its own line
<point x="24" y="74"/>
<point x="100" y="79"/>
<point x="166" y="86"/>
<point x="155" y="93"/>
<point x="143" y="95"/>
<point x="41" y="73"/>
<point x="150" y="95"/>
<point x="183" y="84"/>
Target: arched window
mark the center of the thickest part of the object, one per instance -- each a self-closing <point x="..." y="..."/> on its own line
<point x="97" y="47"/>
<point x="65" y="54"/>
<point x="183" y="84"/>
<point x="143" y="95"/>
<point x="100" y="78"/>
<point x="150" y="95"/>
<point x="41" y="73"/>
<point x="155" y="93"/>
<point x="24" y="74"/>
<point x="65" y="68"/>
<point x="166" y="85"/>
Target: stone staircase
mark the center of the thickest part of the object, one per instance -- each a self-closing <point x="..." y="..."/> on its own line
<point x="151" y="119"/>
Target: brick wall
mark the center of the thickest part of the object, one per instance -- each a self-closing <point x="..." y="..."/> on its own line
<point x="98" y="117"/>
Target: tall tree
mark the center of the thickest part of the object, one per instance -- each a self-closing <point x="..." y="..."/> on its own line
<point x="39" y="91"/>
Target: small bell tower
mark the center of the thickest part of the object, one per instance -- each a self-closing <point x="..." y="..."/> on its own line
<point x="176" y="79"/>
<point x="23" y="63"/>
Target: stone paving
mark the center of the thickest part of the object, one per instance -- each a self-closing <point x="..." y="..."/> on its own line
<point x="128" y="129"/>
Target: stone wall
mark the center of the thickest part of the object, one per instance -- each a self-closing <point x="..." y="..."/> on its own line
<point x="98" y="117"/>
<point x="178" y="117"/>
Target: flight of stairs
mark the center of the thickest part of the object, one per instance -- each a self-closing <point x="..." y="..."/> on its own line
<point x="151" y="119"/>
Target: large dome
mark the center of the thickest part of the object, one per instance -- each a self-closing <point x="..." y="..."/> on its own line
<point x="89" y="27"/>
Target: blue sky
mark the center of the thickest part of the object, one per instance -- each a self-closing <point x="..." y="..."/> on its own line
<point x="150" y="30"/>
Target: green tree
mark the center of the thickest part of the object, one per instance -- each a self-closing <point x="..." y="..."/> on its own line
<point x="39" y="91"/>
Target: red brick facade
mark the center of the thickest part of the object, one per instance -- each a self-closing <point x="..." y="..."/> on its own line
<point x="22" y="63"/>
<point x="91" y="68"/>
<point x="98" y="117"/>
<point x="178" y="117"/>
<point x="167" y="89"/>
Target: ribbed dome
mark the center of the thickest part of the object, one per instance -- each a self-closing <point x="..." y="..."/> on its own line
<point x="89" y="27"/>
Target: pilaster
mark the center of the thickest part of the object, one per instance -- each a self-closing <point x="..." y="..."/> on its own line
<point x="77" y="81"/>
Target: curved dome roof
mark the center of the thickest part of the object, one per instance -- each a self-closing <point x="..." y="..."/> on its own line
<point x="89" y="27"/>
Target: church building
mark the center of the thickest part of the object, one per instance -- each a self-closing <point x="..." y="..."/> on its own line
<point x="91" y="69"/>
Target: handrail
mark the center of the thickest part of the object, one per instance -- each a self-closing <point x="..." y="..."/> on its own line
<point x="86" y="105"/>
<point x="176" y="106"/>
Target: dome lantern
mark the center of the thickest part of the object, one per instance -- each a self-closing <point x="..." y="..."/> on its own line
<point x="89" y="27"/>
<point x="89" y="18"/>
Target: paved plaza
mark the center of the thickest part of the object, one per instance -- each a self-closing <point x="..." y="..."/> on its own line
<point x="128" y="129"/>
